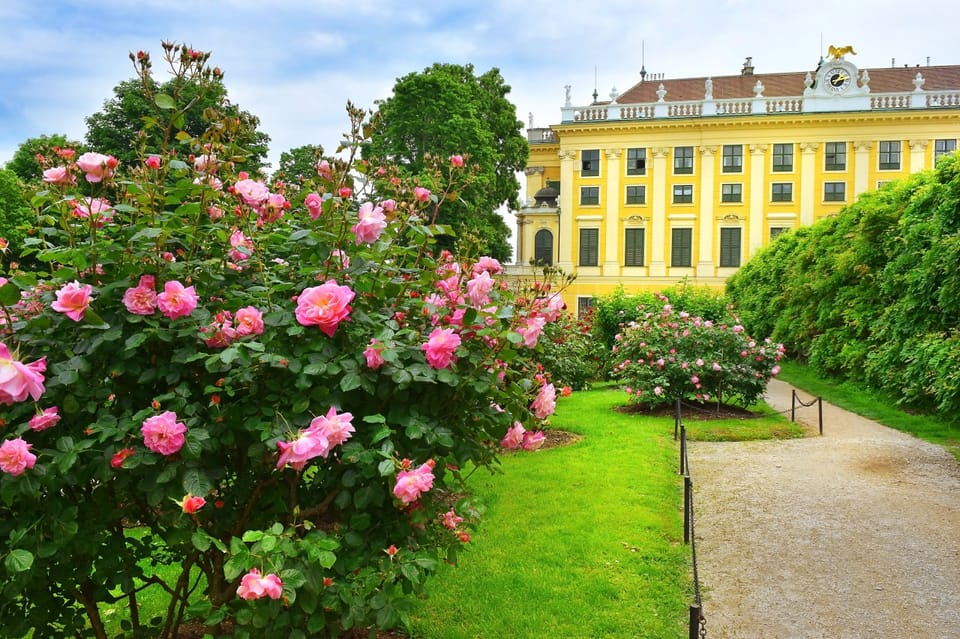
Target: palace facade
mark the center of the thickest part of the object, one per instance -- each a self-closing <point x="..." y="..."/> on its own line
<point x="688" y="178"/>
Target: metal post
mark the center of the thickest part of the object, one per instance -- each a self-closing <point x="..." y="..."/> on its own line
<point x="683" y="449"/>
<point x="687" y="491"/>
<point x="820" y="409"/>
<point x="676" y="418"/>
<point x="793" y="405"/>
<point x="694" y="621"/>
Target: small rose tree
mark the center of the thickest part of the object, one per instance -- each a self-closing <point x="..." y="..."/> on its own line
<point x="274" y="393"/>
<point x="670" y="355"/>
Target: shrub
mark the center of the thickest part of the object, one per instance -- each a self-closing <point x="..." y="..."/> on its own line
<point x="570" y="351"/>
<point x="672" y="355"/>
<point x="281" y="398"/>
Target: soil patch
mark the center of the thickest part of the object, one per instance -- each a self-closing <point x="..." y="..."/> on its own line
<point x="695" y="412"/>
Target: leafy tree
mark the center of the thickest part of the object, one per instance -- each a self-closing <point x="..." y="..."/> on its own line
<point x="448" y="110"/>
<point x="25" y="161"/>
<point x="15" y="215"/>
<point x="138" y="104"/>
<point x="298" y="164"/>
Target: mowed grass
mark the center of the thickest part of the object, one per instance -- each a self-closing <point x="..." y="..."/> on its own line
<point x="583" y="540"/>
<point x="873" y="405"/>
<point x="763" y="423"/>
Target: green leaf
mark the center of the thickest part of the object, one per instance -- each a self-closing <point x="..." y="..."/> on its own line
<point x="326" y="558"/>
<point x="196" y="482"/>
<point x="292" y="578"/>
<point x="200" y="541"/>
<point x="386" y="467"/>
<point x="9" y="294"/>
<point x="19" y="560"/>
<point x="350" y="381"/>
<point x="252" y="536"/>
<point x="164" y="102"/>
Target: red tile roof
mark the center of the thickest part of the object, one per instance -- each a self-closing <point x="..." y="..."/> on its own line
<point x="883" y="80"/>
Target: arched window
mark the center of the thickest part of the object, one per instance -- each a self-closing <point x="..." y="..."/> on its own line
<point x="543" y="247"/>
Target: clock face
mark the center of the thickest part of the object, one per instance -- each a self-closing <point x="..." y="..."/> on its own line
<point x="838" y="79"/>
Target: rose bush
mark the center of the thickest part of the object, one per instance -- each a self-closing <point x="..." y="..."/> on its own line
<point x="671" y="355"/>
<point x="277" y="391"/>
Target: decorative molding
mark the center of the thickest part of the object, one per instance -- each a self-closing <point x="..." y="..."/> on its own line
<point x="709" y="149"/>
<point x="660" y="151"/>
<point x="533" y="170"/>
<point x="567" y="154"/>
<point x="758" y="149"/>
<point x="809" y="147"/>
<point x="862" y="145"/>
<point x="918" y="145"/>
<point x="612" y="154"/>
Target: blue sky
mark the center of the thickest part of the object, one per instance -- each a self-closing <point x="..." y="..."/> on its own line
<point x="294" y="64"/>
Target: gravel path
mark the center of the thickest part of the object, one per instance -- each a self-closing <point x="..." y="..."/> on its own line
<point x="853" y="535"/>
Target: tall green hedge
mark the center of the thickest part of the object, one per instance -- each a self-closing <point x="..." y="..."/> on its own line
<point x="872" y="294"/>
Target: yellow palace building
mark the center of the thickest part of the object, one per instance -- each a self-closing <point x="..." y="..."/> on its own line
<point x="688" y="178"/>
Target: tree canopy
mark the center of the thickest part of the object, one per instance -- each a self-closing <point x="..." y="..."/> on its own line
<point x="447" y="110"/>
<point x="136" y="105"/>
<point x="25" y="162"/>
<point x="298" y="164"/>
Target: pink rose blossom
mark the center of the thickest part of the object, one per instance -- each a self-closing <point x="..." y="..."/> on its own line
<point x="325" y="306"/>
<point x="478" y="289"/>
<point x="59" y="175"/>
<point x="249" y="321"/>
<point x="117" y="460"/>
<point x="514" y="437"/>
<point x="342" y="259"/>
<point x="531" y="332"/>
<point x="192" y="504"/>
<point x="15" y="456"/>
<point x="45" y="420"/>
<point x="451" y="519"/>
<point x="389" y="206"/>
<point x="717" y="367"/>
<point x="73" y="299"/>
<point x="96" y="166"/>
<point x="456" y="161"/>
<point x="215" y="213"/>
<point x="372" y="354"/>
<point x="440" y="347"/>
<point x="221" y="332"/>
<point x="163" y="433"/>
<point x="324" y="170"/>
<point x="141" y="299"/>
<point x="253" y="586"/>
<point x="153" y="162"/>
<point x="205" y="163"/>
<point x="309" y="443"/>
<point x="96" y="209"/>
<point x="177" y="300"/>
<point x="412" y="483"/>
<point x="533" y="441"/>
<point x="272" y="209"/>
<point x="775" y="371"/>
<point x="370" y="223"/>
<point x="242" y="246"/>
<point x="546" y="402"/>
<point x="252" y="192"/>
<point x="344" y="191"/>
<point x="555" y="306"/>
<point x="335" y="428"/>
<point x="314" y="204"/>
<point x="489" y="264"/>
<point x="18" y="380"/>
<point x="421" y="194"/>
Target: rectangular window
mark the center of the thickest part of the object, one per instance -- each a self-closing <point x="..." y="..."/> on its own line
<point x="683" y="159"/>
<point x="943" y="147"/>
<point x="732" y="158"/>
<point x="834" y="191"/>
<point x="835" y="156"/>
<point x="781" y="192"/>
<point x="782" y="157"/>
<point x="636" y="161"/>
<point x="730" y="247"/>
<point x="731" y="193"/>
<point x="778" y="230"/>
<point x="589" y="247"/>
<point x="589" y="195"/>
<point x="683" y="194"/>
<point x="636" y="195"/>
<point x="890" y="155"/>
<point x="681" y="247"/>
<point x="633" y="247"/>
<point x="584" y="305"/>
<point x="590" y="162"/>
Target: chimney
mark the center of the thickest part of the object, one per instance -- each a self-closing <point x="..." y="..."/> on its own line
<point x="747" y="67"/>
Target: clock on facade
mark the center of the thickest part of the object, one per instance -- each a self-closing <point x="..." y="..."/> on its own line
<point x="838" y="79"/>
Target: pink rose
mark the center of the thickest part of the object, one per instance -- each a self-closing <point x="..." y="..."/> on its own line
<point x="533" y="441"/>
<point x="372" y="354"/>
<point x="325" y="306"/>
<point x="344" y="192"/>
<point x="412" y="483"/>
<point x="191" y="504"/>
<point x="489" y="264"/>
<point x="314" y="204"/>
<point x="73" y="299"/>
<point x="177" y="300"/>
<point x="153" y="162"/>
<point x="324" y="170"/>
<point x="45" y="420"/>
<point x="451" y="519"/>
<point x="421" y="194"/>
<point x="117" y="460"/>
<point x="253" y="586"/>
<point x="478" y="289"/>
<point x="205" y="163"/>
<point x="252" y="192"/>
<point x="141" y="299"/>
<point x="456" y="161"/>
<point x="163" y="433"/>
<point x="96" y="209"/>
<point x="370" y="223"/>
<point x="389" y="206"/>
<point x="15" y="456"/>
<point x="221" y="331"/>
<point x="342" y="259"/>
<point x="272" y="209"/>
<point x="440" y="347"/>
<point x="309" y="444"/>
<point x="242" y="246"/>
<point x="514" y="437"/>
<point x="335" y="428"/>
<point x="531" y="332"/>
<point x="546" y="402"/>
<point x="17" y="380"/>
<point x="249" y="321"/>
<point x="96" y="166"/>
<point x="59" y="175"/>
